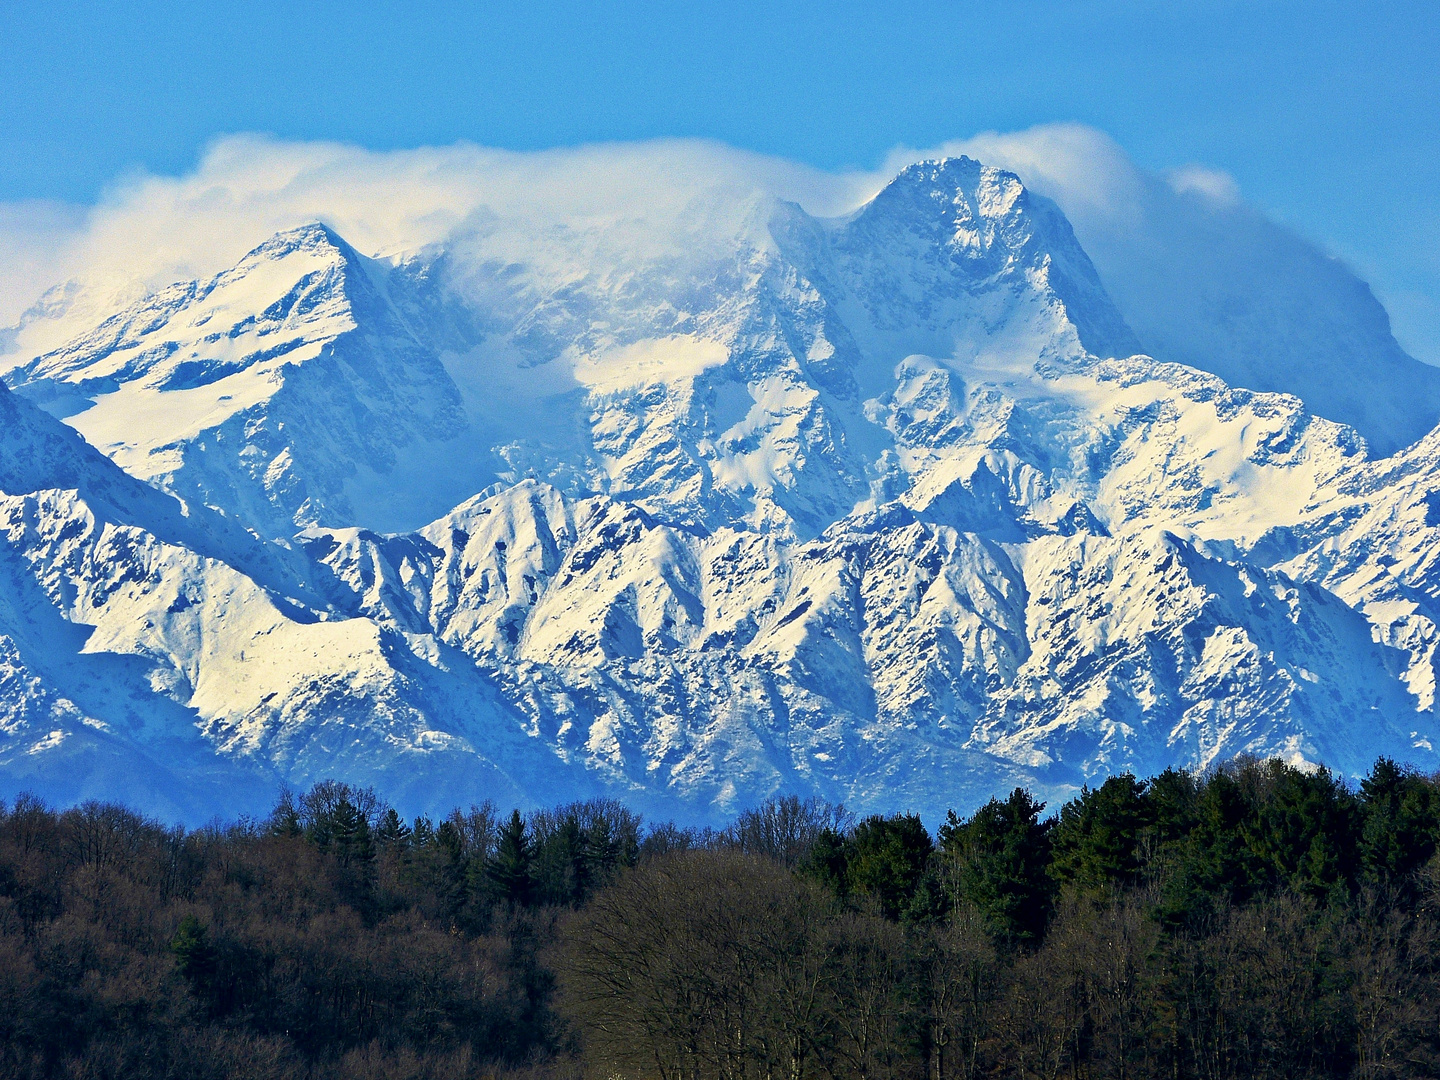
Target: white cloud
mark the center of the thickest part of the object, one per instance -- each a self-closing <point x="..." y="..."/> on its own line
<point x="1202" y="277"/>
<point x="1214" y="184"/>
<point x="35" y="238"/>
<point x="247" y="187"/>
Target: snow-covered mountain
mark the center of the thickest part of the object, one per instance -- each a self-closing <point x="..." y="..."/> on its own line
<point x="1207" y="280"/>
<point x="888" y="508"/>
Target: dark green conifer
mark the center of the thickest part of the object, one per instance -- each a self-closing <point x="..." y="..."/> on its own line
<point x="392" y="831"/>
<point x="195" y="957"/>
<point x="285" y="818"/>
<point x="887" y="859"/>
<point x="348" y="835"/>
<point x="1306" y="832"/>
<point x="1001" y="866"/>
<point x="510" y="870"/>
<point x="1097" y="838"/>
<point x="828" y="861"/>
<point x="1401" y="820"/>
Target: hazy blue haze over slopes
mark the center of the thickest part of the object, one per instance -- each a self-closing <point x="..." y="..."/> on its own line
<point x="1296" y="100"/>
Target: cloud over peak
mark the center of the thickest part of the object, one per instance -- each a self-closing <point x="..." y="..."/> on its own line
<point x="1202" y="277"/>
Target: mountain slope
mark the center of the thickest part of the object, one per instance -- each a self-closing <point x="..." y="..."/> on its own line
<point x="1208" y="281"/>
<point x="130" y="635"/>
<point x="271" y="390"/>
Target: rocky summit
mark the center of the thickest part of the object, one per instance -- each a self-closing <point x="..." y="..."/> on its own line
<point x="893" y="509"/>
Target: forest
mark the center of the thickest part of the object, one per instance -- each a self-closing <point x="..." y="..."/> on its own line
<point x="1254" y="921"/>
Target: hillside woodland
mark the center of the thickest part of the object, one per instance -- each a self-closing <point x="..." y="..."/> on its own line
<point x="1256" y="921"/>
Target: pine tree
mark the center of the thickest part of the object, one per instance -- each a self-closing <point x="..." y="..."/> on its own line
<point x="195" y="957"/>
<point x="1097" y="837"/>
<point x="510" y="871"/>
<point x="1307" y="832"/>
<point x="1401" y="823"/>
<point x="828" y="861"/>
<point x="1216" y="865"/>
<point x="392" y="832"/>
<point x="285" y="818"/>
<point x="887" y="859"/>
<point x="349" y="835"/>
<point x="1001" y="860"/>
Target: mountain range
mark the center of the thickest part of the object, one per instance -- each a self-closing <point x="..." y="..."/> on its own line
<point x="898" y="509"/>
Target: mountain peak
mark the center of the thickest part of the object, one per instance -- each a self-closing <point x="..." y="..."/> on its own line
<point x="210" y="387"/>
<point x="944" y="172"/>
<point x="964" y="225"/>
<point x="314" y="237"/>
<point x="944" y="194"/>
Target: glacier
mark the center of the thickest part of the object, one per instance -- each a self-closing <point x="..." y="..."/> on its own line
<point x="892" y="508"/>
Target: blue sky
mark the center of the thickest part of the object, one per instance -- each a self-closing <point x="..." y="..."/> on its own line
<point x="1327" y="115"/>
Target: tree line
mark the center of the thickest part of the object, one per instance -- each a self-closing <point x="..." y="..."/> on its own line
<point x="1256" y="921"/>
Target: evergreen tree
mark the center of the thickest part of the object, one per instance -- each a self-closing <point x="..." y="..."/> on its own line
<point x="1170" y="806"/>
<point x="1216" y="865"/>
<point x="195" y="958"/>
<point x="600" y="851"/>
<point x="392" y="832"/>
<point x="561" y="864"/>
<point x="1097" y="838"/>
<point x="349" y="835"/>
<point x="828" y="861"/>
<point x="285" y="818"/>
<point x="1307" y="831"/>
<point x="887" y="858"/>
<point x="1400" y="822"/>
<point x="1000" y="861"/>
<point x="510" y="871"/>
<point x="450" y="870"/>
